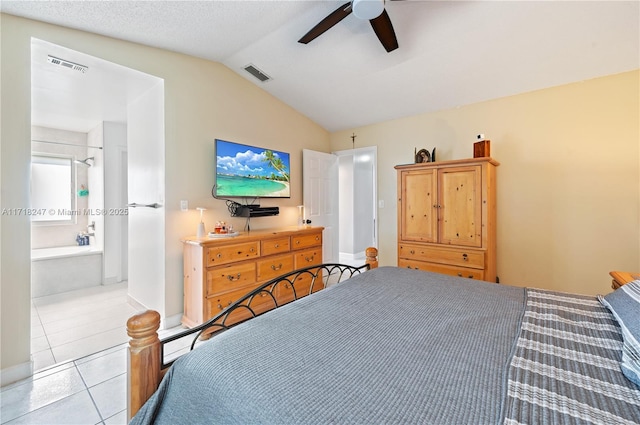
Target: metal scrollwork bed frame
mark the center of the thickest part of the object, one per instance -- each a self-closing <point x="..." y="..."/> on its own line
<point x="147" y="364"/>
<point x="266" y="297"/>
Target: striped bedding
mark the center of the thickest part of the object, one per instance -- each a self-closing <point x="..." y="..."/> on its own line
<point x="399" y="346"/>
<point x="566" y="365"/>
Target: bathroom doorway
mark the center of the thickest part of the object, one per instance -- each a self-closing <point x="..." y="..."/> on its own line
<point x="81" y="116"/>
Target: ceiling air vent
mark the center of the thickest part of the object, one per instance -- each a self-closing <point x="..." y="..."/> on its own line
<point x="67" y="64"/>
<point x="257" y="73"/>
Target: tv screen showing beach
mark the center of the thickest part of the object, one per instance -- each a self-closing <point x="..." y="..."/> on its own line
<point x="250" y="171"/>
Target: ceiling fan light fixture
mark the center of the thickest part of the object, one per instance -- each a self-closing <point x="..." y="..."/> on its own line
<point x="367" y="9"/>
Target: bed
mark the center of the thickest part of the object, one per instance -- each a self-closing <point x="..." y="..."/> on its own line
<point x="394" y="346"/>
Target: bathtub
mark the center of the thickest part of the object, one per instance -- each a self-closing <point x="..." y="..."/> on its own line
<point x="64" y="268"/>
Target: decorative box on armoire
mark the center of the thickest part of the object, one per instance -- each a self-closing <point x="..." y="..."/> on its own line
<point x="447" y="217"/>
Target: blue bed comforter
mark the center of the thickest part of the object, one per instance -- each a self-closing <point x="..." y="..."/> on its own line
<point x="390" y="346"/>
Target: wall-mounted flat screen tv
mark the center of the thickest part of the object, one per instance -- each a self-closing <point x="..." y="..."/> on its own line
<point x="251" y="172"/>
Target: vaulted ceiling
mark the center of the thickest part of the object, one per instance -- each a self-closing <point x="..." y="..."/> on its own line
<point x="450" y="53"/>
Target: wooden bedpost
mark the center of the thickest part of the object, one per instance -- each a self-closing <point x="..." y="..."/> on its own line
<point x="144" y="360"/>
<point x="372" y="257"/>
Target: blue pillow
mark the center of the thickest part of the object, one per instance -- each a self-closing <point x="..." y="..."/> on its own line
<point x="624" y="303"/>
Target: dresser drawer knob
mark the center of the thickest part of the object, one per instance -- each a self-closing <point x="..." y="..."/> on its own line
<point x="277" y="245"/>
<point x="309" y="259"/>
<point x="219" y="255"/>
<point x="221" y="307"/>
<point x="232" y="278"/>
<point x="297" y="242"/>
<point x="317" y="238"/>
<point x="274" y="267"/>
<point x="412" y="252"/>
<point x="465" y="257"/>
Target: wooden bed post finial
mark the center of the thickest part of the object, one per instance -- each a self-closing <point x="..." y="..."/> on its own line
<point x="372" y="257"/>
<point x="144" y="360"/>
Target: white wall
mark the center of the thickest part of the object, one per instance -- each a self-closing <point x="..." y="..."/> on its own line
<point x="346" y="202"/>
<point x="115" y="225"/>
<point x="95" y="180"/>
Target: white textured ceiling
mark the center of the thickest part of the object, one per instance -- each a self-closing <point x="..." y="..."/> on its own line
<point x="451" y="53"/>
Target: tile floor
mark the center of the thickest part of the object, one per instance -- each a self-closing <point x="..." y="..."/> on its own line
<point x="74" y="324"/>
<point x="80" y="368"/>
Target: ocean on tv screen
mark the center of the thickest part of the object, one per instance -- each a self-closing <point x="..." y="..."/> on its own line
<point x="250" y="187"/>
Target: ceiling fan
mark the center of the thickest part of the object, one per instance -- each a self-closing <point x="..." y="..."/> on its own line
<point x="373" y="10"/>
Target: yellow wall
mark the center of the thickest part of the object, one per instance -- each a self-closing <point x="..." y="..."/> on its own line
<point x="203" y="100"/>
<point x="568" y="183"/>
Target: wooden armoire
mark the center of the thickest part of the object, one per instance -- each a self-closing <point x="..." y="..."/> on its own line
<point x="447" y="217"/>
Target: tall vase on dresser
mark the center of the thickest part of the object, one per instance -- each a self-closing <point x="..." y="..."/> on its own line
<point x="447" y="217"/>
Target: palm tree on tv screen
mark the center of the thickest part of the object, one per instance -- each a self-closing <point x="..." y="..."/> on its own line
<point x="276" y="163"/>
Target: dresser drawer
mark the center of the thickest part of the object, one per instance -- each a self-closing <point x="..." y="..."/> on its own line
<point x="451" y="256"/>
<point x="306" y="258"/>
<point x="275" y="246"/>
<point x="229" y="253"/>
<point x="442" y="268"/>
<point x="285" y="291"/>
<point x="214" y="305"/>
<point x="304" y="241"/>
<point x="233" y="276"/>
<point x="274" y="267"/>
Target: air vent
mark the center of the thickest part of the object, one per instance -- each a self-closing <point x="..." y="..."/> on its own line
<point x="257" y="73"/>
<point x="67" y="64"/>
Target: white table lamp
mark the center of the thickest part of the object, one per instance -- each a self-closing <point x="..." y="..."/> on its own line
<point x="201" y="232"/>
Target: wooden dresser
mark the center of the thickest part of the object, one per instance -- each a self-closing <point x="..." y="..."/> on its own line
<point x="218" y="271"/>
<point x="447" y="217"/>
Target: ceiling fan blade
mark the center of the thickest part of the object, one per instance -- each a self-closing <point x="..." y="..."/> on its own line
<point x="333" y="18"/>
<point x="384" y="30"/>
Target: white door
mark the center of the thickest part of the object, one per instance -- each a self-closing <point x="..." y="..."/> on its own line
<point x="146" y="189"/>
<point x="320" y="189"/>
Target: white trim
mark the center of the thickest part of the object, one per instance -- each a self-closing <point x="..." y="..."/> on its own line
<point x="171" y="322"/>
<point x="16" y="373"/>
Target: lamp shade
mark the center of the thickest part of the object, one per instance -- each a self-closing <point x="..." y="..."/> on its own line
<point x="367" y="9"/>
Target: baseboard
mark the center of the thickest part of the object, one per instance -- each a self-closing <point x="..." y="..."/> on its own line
<point x="16" y="373"/>
<point x="166" y="323"/>
<point x="171" y="322"/>
<point x="110" y="280"/>
<point x="352" y="258"/>
<point x="135" y="303"/>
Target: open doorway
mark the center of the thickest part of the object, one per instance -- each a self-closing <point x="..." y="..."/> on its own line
<point x="357" y="199"/>
<point x="340" y="194"/>
<point x="81" y="118"/>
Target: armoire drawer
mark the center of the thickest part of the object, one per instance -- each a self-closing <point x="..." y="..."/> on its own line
<point x="217" y="255"/>
<point x="452" y="256"/>
<point x="442" y="268"/>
